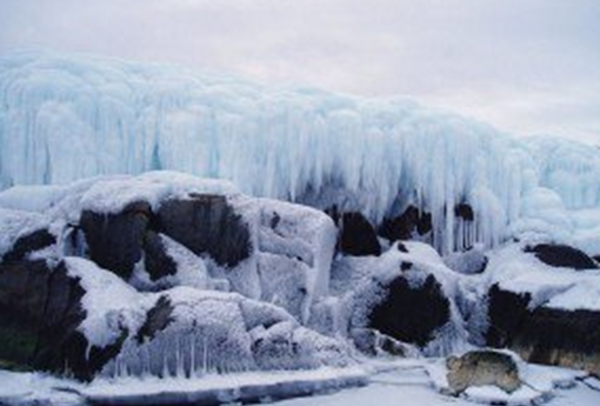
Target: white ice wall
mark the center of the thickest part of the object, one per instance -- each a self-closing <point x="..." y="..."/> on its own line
<point x="65" y="117"/>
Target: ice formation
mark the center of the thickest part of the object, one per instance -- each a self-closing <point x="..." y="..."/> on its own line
<point x="65" y="117"/>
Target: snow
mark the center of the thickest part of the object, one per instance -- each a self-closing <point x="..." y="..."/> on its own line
<point x="409" y="381"/>
<point x="111" y="305"/>
<point x="191" y="270"/>
<point x="67" y="117"/>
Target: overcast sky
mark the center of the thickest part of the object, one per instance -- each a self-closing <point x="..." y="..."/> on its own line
<point x="526" y="66"/>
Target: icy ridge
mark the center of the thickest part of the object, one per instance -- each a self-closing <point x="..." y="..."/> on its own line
<point x="65" y="117"/>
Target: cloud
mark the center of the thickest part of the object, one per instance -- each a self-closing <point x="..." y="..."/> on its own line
<point x="528" y="66"/>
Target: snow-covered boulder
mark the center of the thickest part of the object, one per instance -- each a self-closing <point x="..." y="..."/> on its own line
<point x="547" y="314"/>
<point x="408" y="296"/>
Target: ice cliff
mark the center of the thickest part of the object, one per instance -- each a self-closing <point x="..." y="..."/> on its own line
<point x="66" y="117"/>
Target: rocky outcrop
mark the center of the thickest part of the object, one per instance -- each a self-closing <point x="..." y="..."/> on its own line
<point x="482" y="368"/>
<point x="412" y="221"/>
<point x="406" y="304"/>
<point x="357" y="236"/>
<point x="558" y="255"/>
<point x="115" y="241"/>
<point x="40" y="312"/>
<point x="544" y="335"/>
<point x="206" y="224"/>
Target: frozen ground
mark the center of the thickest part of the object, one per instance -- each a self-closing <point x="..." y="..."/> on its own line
<point x="409" y="385"/>
<point x="410" y="382"/>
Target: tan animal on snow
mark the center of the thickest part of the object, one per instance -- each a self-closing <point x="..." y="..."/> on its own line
<point x="482" y="368"/>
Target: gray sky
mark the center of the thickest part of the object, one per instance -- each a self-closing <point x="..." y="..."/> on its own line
<point x="526" y="66"/>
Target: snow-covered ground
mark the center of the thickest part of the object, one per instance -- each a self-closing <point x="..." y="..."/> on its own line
<point x="407" y="381"/>
<point x="411" y="387"/>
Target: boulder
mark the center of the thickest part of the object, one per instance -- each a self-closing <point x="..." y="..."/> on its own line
<point x="405" y="303"/>
<point x="563" y="256"/>
<point x="482" y="368"/>
<point x="357" y="236"/>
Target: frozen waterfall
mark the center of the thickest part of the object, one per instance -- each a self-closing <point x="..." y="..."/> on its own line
<point x="65" y="117"/>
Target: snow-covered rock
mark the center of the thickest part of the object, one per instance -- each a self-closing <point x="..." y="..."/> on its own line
<point x="548" y="314"/>
<point x="407" y="293"/>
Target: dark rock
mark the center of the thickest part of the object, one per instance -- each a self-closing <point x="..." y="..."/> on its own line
<point x="156" y="260"/>
<point x="558" y="255"/>
<point x="358" y="237"/>
<point x="29" y="243"/>
<point x="506" y="311"/>
<point x="410" y="314"/>
<point x="483" y="368"/>
<point x="115" y="240"/>
<point x="207" y="224"/>
<point x="544" y="335"/>
<point x="412" y="220"/>
<point x="40" y="312"/>
<point x="402" y="248"/>
<point x="334" y="213"/>
<point x="464" y="211"/>
<point x="425" y="223"/>
<point x="157" y="319"/>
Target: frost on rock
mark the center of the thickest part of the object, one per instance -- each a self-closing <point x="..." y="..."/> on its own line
<point x="377" y="157"/>
<point x="409" y="296"/>
<point x="208" y="332"/>
<point x="165" y="267"/>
